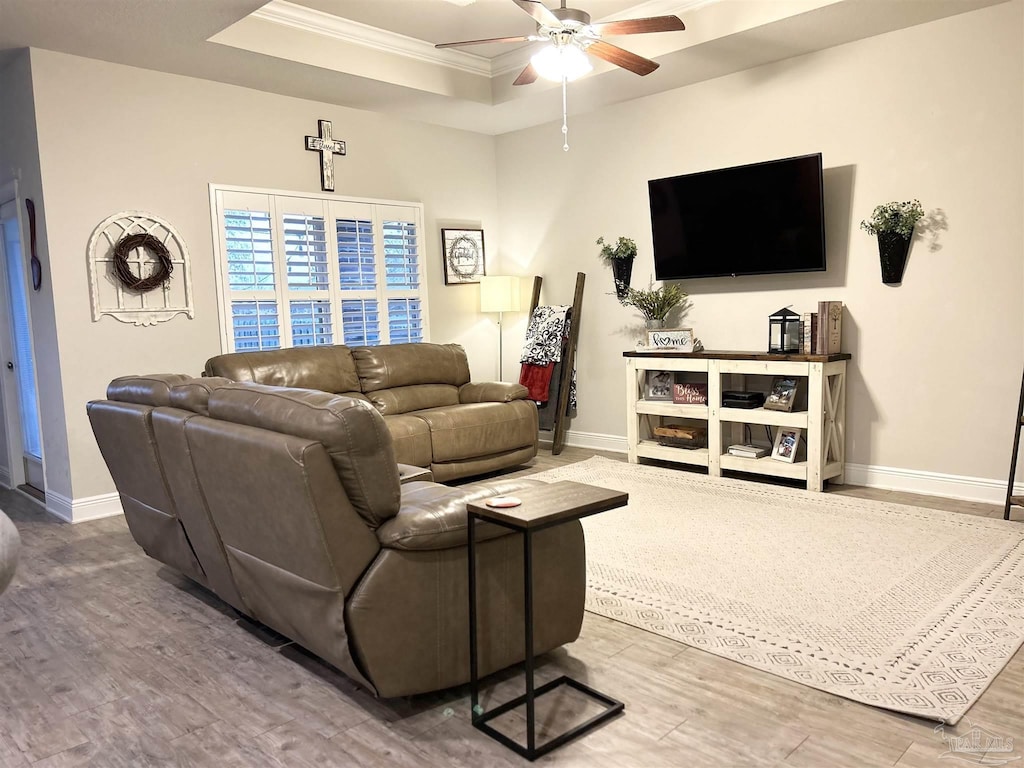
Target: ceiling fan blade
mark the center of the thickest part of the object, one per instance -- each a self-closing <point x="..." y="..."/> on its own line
<point x="539" y="12"/>
<point x="622" y="58"/>
<point x="520" y="39"/>
<point x="639" y="26"/>
<point x="527" y="76"/>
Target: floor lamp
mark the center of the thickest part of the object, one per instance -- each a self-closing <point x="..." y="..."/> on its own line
<point x="499" y="293"/>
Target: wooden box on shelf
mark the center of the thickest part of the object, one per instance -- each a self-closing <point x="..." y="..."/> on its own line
<point x="681" y="436"/>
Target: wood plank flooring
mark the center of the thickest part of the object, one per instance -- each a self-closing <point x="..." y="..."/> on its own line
<point x="108" y="658"/>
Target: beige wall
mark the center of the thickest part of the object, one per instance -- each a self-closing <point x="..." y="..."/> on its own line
<point x="933" y="112"/>
<point x="19" y="160"/>
<point x="113" y="137"/>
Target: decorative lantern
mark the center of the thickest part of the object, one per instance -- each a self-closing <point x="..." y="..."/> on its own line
<point x="784" y="332"/>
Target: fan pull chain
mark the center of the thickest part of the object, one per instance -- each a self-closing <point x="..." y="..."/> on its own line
<point x="565" y="118"/>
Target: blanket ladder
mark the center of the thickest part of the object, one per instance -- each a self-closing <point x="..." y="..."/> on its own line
<point x="1011" y="500"/>
<point x="568" y="359"/>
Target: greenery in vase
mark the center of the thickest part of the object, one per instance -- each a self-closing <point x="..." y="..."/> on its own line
<point x="894" y="217"/>
<point x="654" y="303"/>
<point x="624" y="249"/>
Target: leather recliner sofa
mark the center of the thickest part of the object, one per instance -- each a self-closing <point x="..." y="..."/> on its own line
<point x="437" y="417"/>
<point x="287" y="504"/>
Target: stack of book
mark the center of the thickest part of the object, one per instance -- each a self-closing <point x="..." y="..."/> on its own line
<point x="748" y="451"/>
<point x="822" y="330"/>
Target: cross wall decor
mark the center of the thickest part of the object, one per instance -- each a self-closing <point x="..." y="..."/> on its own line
<point x="328" y="147"/>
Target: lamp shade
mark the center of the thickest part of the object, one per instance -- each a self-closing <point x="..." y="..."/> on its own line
<point x="499" y="293"/>
<point x="557" y="61"/>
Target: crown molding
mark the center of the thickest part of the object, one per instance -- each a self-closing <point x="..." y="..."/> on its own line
<point x="288" y="14"/>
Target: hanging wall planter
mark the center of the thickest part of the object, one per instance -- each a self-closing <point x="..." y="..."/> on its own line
<point x="893" y="249"/>
<point x="622" y="271"/>
<point x="893" y="224"/>
<point x="620" y="257"/>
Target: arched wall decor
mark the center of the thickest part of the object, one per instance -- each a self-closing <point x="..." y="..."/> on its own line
<point x="135" y="248"/>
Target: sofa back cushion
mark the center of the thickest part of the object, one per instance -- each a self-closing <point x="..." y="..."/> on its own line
<point x="295" y="545"/>
<point x="352" y="432"/>
<point x="399" y="378"/>
<point x="194" y="394"/>
<point x="124" y="434"/>
<point x="327" y="369"/>
<point x="154" y="389"/>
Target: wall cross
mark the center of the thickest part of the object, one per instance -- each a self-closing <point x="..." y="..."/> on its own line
<point x="328" y="147"/>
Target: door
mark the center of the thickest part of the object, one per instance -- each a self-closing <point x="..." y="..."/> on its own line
<point x="21" y="405"/>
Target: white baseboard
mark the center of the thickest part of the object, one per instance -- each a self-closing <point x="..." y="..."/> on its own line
<point x="930" y="483"/>
<point x="885" y="478"/>
<point x="84" y="509"/>
<point x="593" y="440"/>
<point x="5" y="477"/>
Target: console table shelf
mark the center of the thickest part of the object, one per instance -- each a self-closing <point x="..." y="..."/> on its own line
<point x="820" y="411"/>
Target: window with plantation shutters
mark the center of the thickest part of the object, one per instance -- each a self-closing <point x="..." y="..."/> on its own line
<point x="300" y="270"/>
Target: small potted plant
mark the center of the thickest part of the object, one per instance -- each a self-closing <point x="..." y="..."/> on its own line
<point x="654" y="304"/>
<point x="893" y="224"/>
<point x="620" y="257"/>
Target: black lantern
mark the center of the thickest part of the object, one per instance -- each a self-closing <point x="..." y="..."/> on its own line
<point x="784" y="332"/>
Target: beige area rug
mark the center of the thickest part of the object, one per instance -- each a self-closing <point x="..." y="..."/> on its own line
<point x="909" y="609"/>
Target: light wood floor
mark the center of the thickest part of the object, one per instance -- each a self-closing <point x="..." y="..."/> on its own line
<point x="108" y="658"/>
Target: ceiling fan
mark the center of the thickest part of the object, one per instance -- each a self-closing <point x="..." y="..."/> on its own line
<point x="571" y="36"/>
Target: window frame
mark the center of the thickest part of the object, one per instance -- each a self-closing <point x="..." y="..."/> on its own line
<point x="331" y="207"/>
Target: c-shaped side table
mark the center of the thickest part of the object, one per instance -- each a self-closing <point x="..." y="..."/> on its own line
<point x="542" y="507"/>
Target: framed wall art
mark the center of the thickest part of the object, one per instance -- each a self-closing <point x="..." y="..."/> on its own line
<point x="463" y="255"/>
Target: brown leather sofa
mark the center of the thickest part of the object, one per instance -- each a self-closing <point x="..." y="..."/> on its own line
<point x="287" y="504"/>
<point x="437" y="417"/>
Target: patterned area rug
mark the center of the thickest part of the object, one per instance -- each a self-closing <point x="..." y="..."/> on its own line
<point x="909" y="609"/>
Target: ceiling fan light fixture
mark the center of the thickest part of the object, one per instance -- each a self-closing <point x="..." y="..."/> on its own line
<point x="558" y="62"/>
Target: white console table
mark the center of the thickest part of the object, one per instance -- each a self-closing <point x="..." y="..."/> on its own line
<point x="820" y="411"/>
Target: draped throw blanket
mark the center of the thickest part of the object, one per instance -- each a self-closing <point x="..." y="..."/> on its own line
<point x="542" y="361"/>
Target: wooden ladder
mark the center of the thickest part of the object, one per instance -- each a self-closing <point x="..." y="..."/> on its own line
<point x="1011" y="500"/>
<point x="562" y="418"/>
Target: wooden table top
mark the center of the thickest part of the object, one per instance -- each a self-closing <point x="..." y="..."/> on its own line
<point x="550" y="504"/>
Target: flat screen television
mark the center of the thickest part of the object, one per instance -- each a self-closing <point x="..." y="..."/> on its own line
<point x="748" y="220"/>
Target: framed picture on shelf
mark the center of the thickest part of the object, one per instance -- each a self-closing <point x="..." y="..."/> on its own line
<point x="782" y="394"/>
<point x="659" y="385"/>
<point x="462" y="251"/>
<point x="787" y="440"/>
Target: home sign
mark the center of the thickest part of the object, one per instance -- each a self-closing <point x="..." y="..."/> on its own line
<point x="671" y="340"/>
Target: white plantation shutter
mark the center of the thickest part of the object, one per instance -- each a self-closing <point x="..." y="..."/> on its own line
<point x="303" y="271"/>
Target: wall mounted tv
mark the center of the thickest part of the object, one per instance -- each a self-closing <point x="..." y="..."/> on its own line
<point x="748" y="220"/>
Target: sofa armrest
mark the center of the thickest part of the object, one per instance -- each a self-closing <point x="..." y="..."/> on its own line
<point x="433" y="516"/>
<point x="491" y="392"/>
<point x="407" y="473"/>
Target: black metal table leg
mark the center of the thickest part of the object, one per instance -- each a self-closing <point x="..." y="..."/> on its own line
<point x="474" y="682"/>
<point x="528" y="647"/>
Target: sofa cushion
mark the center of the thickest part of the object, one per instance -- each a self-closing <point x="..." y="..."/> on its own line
<point x="404" y="365"/>
<point x="479" y="429"/>
<point x="154" y="389"/>
<point x="353" y="433"/>
<point x="415" y="398"/>
<point x="492" y="392"/>
<point x="328" y="369"/>
<point x="194" y="394"/>
<point x="410" y="438"/>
